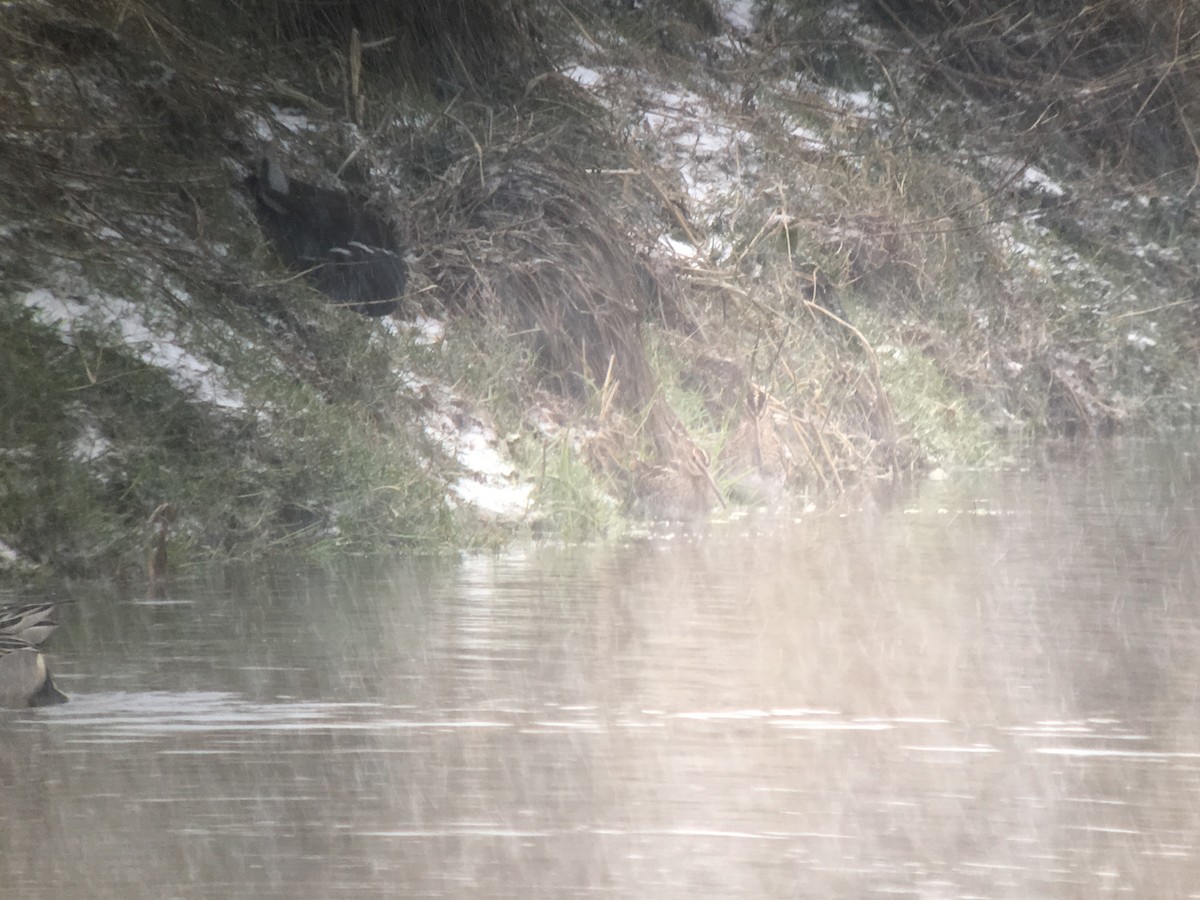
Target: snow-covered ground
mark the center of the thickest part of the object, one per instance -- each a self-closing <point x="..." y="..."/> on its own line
<point x="489" y="482"/>
<point x="73" y="305"/>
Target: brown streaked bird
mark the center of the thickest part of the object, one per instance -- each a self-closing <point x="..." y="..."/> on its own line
<point x="755" y="459"/>
<point x="343" y="248"/>
<point x="156" y="564"/>
<point x="31" y="622"/>
<point x="682" y="490"/>
<point x="24" y="678"/>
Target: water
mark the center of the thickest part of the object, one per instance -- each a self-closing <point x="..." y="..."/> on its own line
<point x="984" y="687"/>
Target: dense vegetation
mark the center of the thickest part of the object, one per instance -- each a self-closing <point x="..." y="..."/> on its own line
<point x="921" y="227"/>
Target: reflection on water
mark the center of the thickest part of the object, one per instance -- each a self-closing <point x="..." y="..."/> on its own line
<point x="986" y="687"/>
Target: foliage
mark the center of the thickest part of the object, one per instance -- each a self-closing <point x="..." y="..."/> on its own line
<point x="912" y="280"/>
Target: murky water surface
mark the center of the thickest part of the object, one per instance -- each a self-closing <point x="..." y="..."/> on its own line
<point x="986" y="687"/>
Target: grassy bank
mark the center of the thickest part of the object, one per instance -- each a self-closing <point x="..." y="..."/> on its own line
<point x="918" y="233"/>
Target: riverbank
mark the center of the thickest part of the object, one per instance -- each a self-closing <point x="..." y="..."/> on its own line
<point x="916" y="236"/>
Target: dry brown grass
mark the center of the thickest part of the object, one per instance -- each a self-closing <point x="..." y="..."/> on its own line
<point x="529" y="209"/>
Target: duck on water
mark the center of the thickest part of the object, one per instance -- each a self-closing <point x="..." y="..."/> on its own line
<point x="25" y="679"/>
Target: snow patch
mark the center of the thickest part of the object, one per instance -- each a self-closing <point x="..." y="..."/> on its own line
<point x="1035" y="179"/>
<point x="739" y="15"/>
<point x="427" y="330"/>
<point x="90" y="445"/>
<point x="583" y="75"/>
<point x="10" y="556"/>
<point x="98" y="311"/>
<point x="711" y="155"/>
<point x="861" y="103"/>
<point x="290" y="120"/>
<point x="809" y="139"/>
<point x="1028" y="178"/>
<point x="296" y="123"/>
<point x="681" y="249"/>
<point x="492" y="484"/>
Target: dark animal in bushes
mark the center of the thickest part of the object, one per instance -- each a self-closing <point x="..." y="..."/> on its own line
<point x="345" y="250"/>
